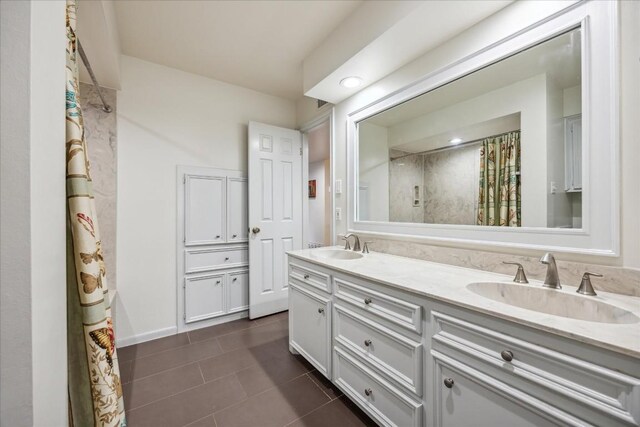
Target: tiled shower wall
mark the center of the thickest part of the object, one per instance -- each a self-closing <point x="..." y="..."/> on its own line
<point x="101" y="136"/>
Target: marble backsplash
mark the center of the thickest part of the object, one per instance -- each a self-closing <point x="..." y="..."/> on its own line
<point x="101" y="136"/>
<point x="620" y="280"/>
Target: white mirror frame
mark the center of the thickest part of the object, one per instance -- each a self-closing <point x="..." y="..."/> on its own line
<point x="600" y="232"/>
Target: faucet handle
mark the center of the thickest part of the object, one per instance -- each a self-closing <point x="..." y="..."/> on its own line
<point x="520" y="276"/>
<point x="365" y="247"/>
<point x="586" y="288"/>
<point x="347" y="246"/>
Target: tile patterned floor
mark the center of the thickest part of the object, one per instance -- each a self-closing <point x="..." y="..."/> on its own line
<point x="238" y="374"/>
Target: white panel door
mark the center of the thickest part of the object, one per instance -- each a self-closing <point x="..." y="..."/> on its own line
<point x="237" y="216"/>
<point x="275" y="213"/>
<point x="205" y="198"/>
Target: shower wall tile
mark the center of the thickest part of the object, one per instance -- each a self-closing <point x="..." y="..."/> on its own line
<point x="404" y="174"/>
<point x="101" y="136"/>
<point x="450" y="186"/>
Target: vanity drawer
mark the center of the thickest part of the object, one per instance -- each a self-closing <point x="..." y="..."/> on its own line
<point x="398" y="311"/>
<point x="309" y="276"/>
<point x="383" y="402"/>
<point x="398" y="357"/>
<point x="541" y="371"/>
<point x="197" y="260"/>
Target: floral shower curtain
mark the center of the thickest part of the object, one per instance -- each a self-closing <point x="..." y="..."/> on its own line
<point x="95" y="390"/>
<point x="499" y="190"/>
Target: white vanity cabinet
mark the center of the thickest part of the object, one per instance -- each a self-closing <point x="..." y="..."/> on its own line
<point x="408" y="360"/>
<point x="213" y="256"/>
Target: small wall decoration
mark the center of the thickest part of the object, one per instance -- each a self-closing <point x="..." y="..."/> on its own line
<point x="312" y="188"/>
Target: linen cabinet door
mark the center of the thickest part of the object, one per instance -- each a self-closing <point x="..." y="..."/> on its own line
<point x="237" y="213"/>
<point x="237" y="291"/>
<point x="204" y="297"/>
<point x="310" y="327"/>
<point x="204" y="210"/>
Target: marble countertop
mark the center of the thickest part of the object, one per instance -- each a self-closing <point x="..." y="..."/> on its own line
<point x="448" y="283"/>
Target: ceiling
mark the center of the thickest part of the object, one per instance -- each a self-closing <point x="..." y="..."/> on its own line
<point x="255" y="44"/>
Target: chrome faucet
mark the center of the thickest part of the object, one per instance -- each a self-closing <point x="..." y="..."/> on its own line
<point x="552" y="280"/>
<point x="356" y="243"/>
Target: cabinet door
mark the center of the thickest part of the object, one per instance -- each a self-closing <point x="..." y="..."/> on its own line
<point x="309" y="327"/>
<point x="237" y="214"/>
<point x="205" y="200"/>
<point x="204" y="297"/>
<point x="468" y="399"/>
<point x="237" y="291"/>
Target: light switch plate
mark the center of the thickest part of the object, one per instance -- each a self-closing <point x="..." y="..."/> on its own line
<point x="338" y="214"/>
<point x="338" y="186"/>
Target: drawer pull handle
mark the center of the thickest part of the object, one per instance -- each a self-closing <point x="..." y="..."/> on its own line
<point x="368" y="391"/>
<point x="507" y="355"/>
<point x="367" y="301"/>
<point x="448" y="382"/>
<point x="367" y="343"/>
<point x="226" y="259"/>
<point x="321" y="310"/>
<point x="306" y="276"/>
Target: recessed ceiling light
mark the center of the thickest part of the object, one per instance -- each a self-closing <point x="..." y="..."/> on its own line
<point x="350" y="82"/>
<point x="455" y="140"/>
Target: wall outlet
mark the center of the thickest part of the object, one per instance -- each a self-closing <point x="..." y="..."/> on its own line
<point x="338" y="214"/>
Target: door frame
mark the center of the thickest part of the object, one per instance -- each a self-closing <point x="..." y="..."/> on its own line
<point x="322" y="118"/>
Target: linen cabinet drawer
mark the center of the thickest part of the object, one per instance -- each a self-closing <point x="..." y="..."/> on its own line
<point x="197" y="260"/>
<point x="398" y="357"/>
<point x="546" y="373"/>
<point x="398" y="311"/>
<point x="383" y="402"/>
<point x="309" y="276"/>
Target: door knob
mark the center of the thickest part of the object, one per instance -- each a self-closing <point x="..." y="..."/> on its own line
<point x="255" y="230"/>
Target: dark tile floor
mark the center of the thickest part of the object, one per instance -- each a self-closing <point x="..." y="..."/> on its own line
<point x="238" y="374"/>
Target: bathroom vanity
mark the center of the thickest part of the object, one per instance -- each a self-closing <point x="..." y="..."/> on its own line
<point x="415" y="343"/>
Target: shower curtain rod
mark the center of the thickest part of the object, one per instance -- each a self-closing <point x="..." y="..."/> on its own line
<point x="105" y="106"/>
<point x="453" y="147"/>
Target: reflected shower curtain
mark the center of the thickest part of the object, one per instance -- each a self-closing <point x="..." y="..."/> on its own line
<point x="95" y="390"/>
<point x="499" y="190"/>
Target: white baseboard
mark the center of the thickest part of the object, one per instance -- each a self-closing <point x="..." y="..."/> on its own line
<point x="147" y="336"/>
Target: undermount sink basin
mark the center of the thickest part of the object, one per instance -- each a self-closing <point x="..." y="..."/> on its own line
<point x="336" y="254"/>
<point x="551" y="301"/>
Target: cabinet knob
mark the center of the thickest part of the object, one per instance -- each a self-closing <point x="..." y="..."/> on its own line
<point x="368" y="391"/>
<point x="321" y="310"/>
<point x="226" y="259"/>
<point x="218" y="236"/>
<point x="217" y="282"/>
<point x="234" y="236"/>
<point x="306" y="276"/>
<point x="367" y="343"/>
<point x="234" y="279"/>
<point x="507" y="355"/>
<point x="255" y="230"/>
<point x="367" y="301"/>
<point x="448" y="382"/>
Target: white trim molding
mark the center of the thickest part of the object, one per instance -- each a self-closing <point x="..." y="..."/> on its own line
<point x="600" y="232"/>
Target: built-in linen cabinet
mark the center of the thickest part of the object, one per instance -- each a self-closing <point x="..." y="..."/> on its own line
<point x="408" y="360"/>
<point x="213" y="255"/>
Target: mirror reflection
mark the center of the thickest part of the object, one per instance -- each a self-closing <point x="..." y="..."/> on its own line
<point x="498" y="147"/>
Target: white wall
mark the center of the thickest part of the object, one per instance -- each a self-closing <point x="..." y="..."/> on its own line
<point x="33" y="365"/>
<point x="494" y="28"/>
<point x="168" y="118"/>
<point x="374" y="170"/>
<point x="317" y="205"/>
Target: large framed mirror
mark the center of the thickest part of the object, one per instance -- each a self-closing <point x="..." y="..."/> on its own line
<point x="515" y="145"/>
